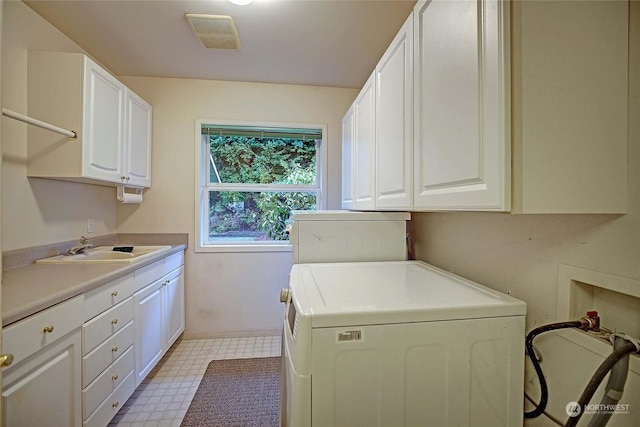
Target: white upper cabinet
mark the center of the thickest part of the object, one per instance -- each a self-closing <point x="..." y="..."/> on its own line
<point x="570" y="106"/>
<point x="103" y="124"/>
<point x="347" y="159"/>
<point x="113" y="123"/>
<point x="394" y="122"/>
<point x="515" y="106"/>
<point x="137" y="141"/>
<point x="461" y="105"/>
<point x="365" y="146"/>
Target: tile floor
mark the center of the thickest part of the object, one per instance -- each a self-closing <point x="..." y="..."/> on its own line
<point x="164" y="396"/>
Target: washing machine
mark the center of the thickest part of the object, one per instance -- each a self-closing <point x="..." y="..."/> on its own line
<point x="400" y="343"/>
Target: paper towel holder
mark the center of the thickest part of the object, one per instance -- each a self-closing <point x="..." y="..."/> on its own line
<point x="125" y="196"/>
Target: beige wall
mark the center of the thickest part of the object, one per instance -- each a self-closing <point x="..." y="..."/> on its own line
<point x="226" y="293"/>
<point x="38" y="211"/>
<point x="521" y="254"/>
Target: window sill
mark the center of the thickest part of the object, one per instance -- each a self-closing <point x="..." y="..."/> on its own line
<point x="243" y="248"/>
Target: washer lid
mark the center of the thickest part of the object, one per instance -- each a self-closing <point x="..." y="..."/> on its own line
<point x="365" y="293"/>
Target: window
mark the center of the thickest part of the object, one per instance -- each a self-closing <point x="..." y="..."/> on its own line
<point x="251" y="176"/>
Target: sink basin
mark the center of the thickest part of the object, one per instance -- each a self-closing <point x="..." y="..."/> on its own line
<point x="105" y="254"/>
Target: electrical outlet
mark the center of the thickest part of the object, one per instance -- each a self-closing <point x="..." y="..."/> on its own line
<point x="91" y="225"/>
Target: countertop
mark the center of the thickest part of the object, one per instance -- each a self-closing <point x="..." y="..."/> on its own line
<point x="35" y="287"/>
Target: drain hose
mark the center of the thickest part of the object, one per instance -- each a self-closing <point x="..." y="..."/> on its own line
<point x="544" y="392"/>
<point x="620" y="356"/>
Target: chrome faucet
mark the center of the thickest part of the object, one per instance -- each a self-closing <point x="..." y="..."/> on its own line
<point x="79" y="249"/>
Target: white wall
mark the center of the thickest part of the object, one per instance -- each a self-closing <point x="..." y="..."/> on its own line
<point x="521" y="254"/>
<point x="226" y="293"/>
<point x="38" y="211"/>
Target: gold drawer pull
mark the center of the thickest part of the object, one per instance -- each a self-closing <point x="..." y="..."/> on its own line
<point x="114" y="349"/>
<point x="47" y="329"/>
<point x="115" y="404"/>
<point x="114" y="293"/>
<point x="114" y="377"/>
<point x="6" y="359"/>
<point x="114" y="321"/>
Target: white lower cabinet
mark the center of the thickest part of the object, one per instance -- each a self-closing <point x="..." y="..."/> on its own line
<point x="148" y="328"/>
<point x="77" y="363"/>
<point x="107" y="382"/>
<point x="174" y="306"/>
<point x="158" y="312"/>
<point x="42" y="387"/>
<point x="107" y="349"/>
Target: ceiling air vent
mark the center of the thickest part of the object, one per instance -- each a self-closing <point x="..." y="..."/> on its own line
<point x="215" y="31"/>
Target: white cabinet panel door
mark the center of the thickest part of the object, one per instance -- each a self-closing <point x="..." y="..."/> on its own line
<point x="365" y="145"/>
<point x="138" y="141"/>
<point x="394" y="122"/>
<point x="347" y="159"/>
<point x="149" y="328"/>
<point x="103" y="124"/>
<point x="462" y="128"/>
<point x="174" y="306"/>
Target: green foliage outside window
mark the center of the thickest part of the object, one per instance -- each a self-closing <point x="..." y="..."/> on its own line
<point x="259" y="215"/>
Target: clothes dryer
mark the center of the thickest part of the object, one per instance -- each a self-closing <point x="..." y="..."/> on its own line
<point x="401" y="343"/>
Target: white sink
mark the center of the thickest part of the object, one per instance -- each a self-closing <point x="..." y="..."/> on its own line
<point x="106" y="254"/>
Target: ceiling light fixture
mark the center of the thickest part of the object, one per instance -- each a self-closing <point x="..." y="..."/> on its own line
<point x="241" y="2"/>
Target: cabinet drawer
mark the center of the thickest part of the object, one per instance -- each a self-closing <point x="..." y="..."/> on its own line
<point x="106" y="296"/>
<point x="106" y="324"/>
<point x="29" y="335"/>
<point x="102" y="356"/>
<point x="107" y="382"/>
<point x="173" y="261"/>
<point x="148" y="274"/>
<point x="112" y="404"/>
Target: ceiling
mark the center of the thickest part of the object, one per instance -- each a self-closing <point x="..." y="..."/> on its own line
<point x="309" y="42"/>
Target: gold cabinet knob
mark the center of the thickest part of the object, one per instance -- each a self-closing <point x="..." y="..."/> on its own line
<point x="284" y="295"/>
<point x="6" y="359"/>
<point x="115" y="404"/>
<point x="114" y="321"/>
<point x="114" y="349"/>
<point x="114" y="377"/>
<point x="47" y="329"/>
<point x="114" y="293"/>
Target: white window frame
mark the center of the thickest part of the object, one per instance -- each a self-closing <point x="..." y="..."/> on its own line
<point x="202" y="190"/>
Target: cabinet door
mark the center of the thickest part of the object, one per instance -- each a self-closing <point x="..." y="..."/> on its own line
<point x="394" y="121"/>
<point x="173" y="290"/>
<point x="571" y="116"/>
<point x="364" y="143"/>
<point x="138" y="141"/>
<point x="103" y="156"/>
<point x="45" y="390"/>
<point x="462" y="120"/>
<point x="347" y="159"/>
<point x="149" y="328"/>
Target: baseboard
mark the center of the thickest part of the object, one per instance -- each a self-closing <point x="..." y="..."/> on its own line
<point x="231" y="334"/>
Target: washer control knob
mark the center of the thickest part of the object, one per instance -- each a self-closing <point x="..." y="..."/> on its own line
<point x="284" y="295"/>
